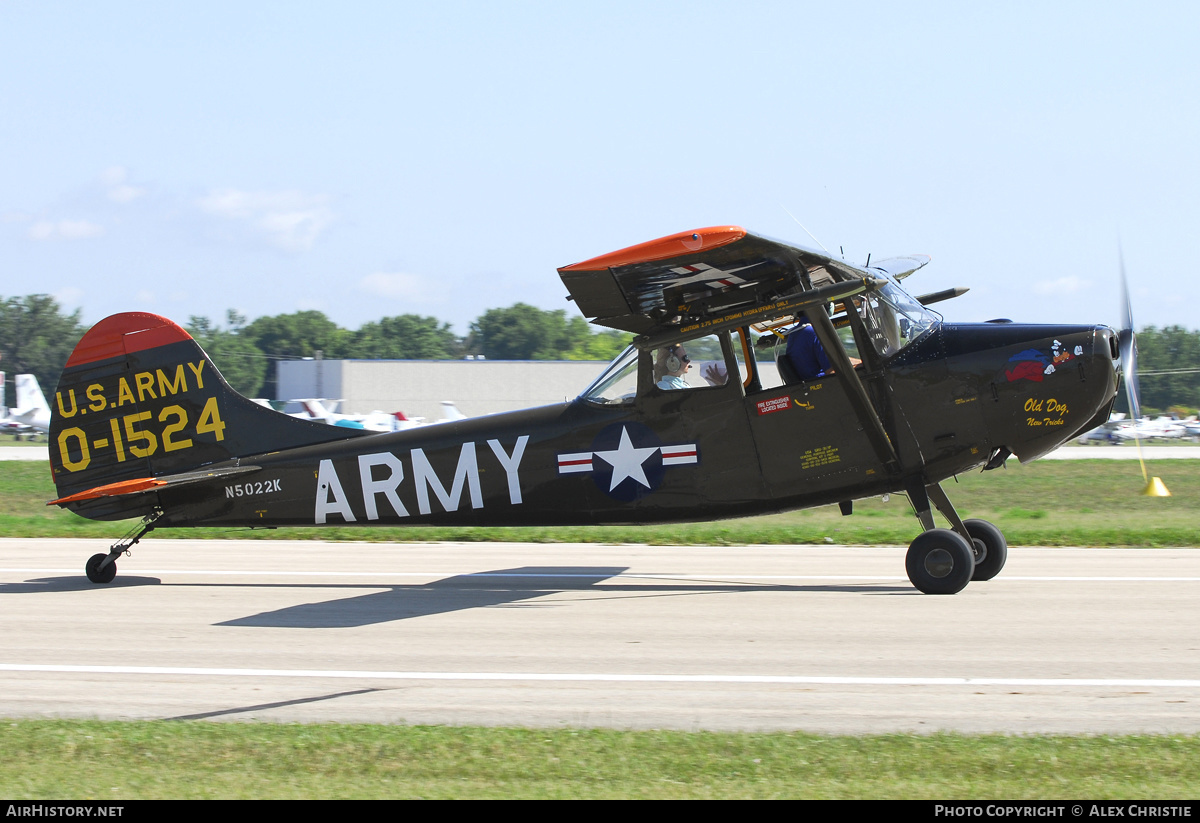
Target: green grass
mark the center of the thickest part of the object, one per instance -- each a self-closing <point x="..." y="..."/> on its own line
<point x="164" y="759"/>
<point x="1050" y="503"/>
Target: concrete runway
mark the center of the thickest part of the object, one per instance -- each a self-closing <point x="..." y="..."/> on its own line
<point x="825" y="639"/>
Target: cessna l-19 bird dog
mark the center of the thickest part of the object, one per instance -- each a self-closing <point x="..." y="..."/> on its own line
<point x="144" y="425"/>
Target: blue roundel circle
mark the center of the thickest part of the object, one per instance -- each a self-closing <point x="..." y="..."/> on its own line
<point x="627" y="462"/>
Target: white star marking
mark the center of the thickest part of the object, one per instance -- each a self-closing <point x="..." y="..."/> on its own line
<point x="627" y="461"/>
<point x="705" y="273"/>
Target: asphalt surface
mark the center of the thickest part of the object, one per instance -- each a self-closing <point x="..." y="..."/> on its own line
<point x="824" y="639"/>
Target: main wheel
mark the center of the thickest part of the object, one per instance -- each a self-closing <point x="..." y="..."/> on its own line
<point x="97" y="574"/>
<point x="997" y="548"/>
<point x="940" y="561"/>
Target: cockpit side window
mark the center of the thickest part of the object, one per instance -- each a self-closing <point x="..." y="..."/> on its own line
<point x="695" y="364"/>
<point x="703" y="363"/>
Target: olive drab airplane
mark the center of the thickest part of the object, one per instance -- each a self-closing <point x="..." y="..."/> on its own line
<point x="145" y="426"/>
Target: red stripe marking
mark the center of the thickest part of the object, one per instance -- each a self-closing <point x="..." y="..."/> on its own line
<point x="123" y="334"/>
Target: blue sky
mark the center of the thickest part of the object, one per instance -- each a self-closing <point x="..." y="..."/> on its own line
<point x="377" y="158"/>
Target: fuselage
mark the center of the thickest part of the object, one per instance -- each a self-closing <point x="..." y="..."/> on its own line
<point x="948" y="401"/>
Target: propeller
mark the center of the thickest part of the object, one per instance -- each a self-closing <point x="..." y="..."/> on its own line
<point x="1128" y="345"/>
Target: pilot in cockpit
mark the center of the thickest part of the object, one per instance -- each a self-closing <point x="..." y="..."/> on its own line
<point x="805" y="352"/>
<point x="670" y="366"/>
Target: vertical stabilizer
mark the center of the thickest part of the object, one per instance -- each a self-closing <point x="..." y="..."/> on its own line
<point x="140" y="399"/>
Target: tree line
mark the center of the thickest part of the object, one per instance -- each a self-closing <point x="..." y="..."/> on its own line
<point x="37" y="337"/>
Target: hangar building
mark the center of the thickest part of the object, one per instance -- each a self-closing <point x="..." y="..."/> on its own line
<point x="418" y="387"/>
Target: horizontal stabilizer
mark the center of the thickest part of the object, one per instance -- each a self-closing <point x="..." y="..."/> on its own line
<point x="141" y="485"/>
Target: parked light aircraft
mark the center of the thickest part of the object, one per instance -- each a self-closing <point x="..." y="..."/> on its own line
<point x="1117" y="431"/>
<point x="144" y="426"/>
<point x="376" y="421"/>
<point x="31" y="414"/>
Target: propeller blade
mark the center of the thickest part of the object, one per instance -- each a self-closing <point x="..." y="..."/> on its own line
<point x="1128" y="344"/>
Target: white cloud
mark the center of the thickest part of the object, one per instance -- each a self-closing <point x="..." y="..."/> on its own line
<point x="65" y="230"/>
<point x="124" y="194"/>
<point x="290" y="220"/>
<point x="69" y="296"/>
<point x="393" y="285"/>
<point x="115" y="180"/>
<point x="1063" y="285"/>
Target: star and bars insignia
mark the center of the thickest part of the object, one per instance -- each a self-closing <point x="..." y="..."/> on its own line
<point x="627" y="460"/>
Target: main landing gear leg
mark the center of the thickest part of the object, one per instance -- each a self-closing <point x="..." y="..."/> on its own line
<point x="102" y="568"/>
<point x="987" y="541"/>
<point x="936" y="560"/>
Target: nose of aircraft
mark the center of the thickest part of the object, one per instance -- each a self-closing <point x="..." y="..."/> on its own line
<point x="1050" y="384"/>
<point x="1092" y="393"/>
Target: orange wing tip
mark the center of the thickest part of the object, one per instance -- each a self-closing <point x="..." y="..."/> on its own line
<point x="140" y="484"/>
<point x="120" y="334"/>
<point x="663" y="248"/>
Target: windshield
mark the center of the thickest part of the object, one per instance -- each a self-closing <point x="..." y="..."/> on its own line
<point x="894" y="319"/>
<point x="618" y="382"/>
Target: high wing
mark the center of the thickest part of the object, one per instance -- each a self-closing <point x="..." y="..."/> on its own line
<point x="699" y="279"/>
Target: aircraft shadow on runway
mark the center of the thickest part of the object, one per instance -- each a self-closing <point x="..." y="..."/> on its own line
<point x="465" y="591"/>
<point x="500" y="587"/>
<point x="515" y="587"/>
<point x="79" y="583"/>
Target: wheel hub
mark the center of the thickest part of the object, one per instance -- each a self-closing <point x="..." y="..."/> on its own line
<point x="939" y="563"/>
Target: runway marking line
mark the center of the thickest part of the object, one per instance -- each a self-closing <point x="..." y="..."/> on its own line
<point x="606" y="678"/>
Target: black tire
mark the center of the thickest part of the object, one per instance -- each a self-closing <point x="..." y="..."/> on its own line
<point x="940" y="561"/>
<point x="97" y="574"/>
<point x="997" y="548"/>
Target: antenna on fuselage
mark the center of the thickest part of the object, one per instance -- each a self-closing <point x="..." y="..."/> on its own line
<point x="806" y="231"/>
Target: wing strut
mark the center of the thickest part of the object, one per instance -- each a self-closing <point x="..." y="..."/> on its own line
<point x="872" y="425"/>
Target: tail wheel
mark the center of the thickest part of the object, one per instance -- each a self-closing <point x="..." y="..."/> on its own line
<point x="940" y="561"/>
<point x="995" y="544"/>
<point x="95" y="573"/>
